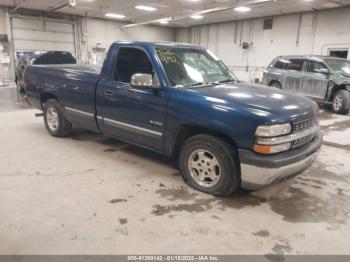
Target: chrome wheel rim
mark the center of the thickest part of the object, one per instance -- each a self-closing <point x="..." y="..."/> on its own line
<point x="338" y="101"/>
<point x="52" y="118"/>
<point x="204" y="168"/>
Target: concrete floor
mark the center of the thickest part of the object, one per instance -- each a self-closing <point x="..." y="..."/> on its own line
<point x="93" y="195"/>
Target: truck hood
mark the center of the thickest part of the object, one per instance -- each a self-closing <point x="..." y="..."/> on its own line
<point x="341" y="78"/>
<point x="274" y="105"/>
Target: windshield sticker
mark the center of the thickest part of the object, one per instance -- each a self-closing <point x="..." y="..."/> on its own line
<point x="167" y="56"/>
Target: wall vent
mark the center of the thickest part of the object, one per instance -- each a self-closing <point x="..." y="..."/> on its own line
<point x="268" y="23"/>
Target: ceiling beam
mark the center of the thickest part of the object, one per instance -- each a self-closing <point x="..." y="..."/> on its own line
<point x="16" y="7"/>
<point x="67" y="3"/>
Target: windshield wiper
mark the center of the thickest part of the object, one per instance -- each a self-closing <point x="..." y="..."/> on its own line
<point x="228" y="80"/>
<point x="196" y="84"/>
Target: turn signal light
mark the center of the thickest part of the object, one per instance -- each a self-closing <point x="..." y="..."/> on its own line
<point x="271" y="149"/>
<point x="262" y="149"/>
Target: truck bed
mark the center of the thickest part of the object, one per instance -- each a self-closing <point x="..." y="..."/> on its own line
<point x="73" y="84"/>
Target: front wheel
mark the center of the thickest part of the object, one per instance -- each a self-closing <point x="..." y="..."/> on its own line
<point x="54" y="119"/>
<point x="341" y="102"/>
<point x="210" y="165"/>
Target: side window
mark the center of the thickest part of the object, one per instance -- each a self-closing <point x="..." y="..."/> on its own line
<point x="313" y="66"/>
<point x="281" y="64"/>
<point x="295" y="64"/>
<point x="131" y="61"/>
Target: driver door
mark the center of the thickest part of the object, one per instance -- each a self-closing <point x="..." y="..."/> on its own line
<point x="135" y="115"/>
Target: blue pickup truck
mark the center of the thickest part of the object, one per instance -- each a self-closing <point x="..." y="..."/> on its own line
<point x="182" y="101"/>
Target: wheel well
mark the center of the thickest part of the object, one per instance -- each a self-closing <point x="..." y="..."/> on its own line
<point x="46" y="96"/>
<point x="274" y="81"/>
<point x="335" y="89"/>
<point x="185" y="132"/>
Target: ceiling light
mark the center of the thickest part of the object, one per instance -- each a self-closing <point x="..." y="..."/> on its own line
<point x="146" y="8"/>
<point x="118" y="16"/>
<point x="197" y="16"/>
<point x="164" y="22"/>
<point x="242" y="9"/>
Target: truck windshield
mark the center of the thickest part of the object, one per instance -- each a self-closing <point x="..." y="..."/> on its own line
<point x="193" y="67"/>
<point x="339" y="66"/>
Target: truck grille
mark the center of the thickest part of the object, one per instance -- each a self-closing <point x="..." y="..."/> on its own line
<point x="303" y="125"/>
<point x="302" y="141"/>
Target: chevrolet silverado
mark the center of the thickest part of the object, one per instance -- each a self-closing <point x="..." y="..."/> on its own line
<point x="182" y="101"/>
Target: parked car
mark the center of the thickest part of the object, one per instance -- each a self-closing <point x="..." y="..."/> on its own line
<point x="49" y="58"/>
<point x="181" y="101"/>
<point x="324" y="79"/>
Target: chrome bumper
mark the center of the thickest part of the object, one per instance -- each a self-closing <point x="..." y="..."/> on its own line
<point x="261" y="171"/>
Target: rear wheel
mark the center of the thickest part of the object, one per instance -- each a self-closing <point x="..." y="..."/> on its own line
<point x="210" y="165"/>
<point x="276" y="84"/>
<point x="54" y="119"/>
<point x="341" y="102"/>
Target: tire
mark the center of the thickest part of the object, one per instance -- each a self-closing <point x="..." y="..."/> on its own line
<point x="276" y="84"/>
<point x="210" y="165"/>
<point x="341" y="102"/>
<point x="55" y="122"/>
<point x="20" y="89"/>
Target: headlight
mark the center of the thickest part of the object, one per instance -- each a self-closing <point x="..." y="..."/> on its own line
<point x="273" y="130"/>
<point x="268" y="132"/>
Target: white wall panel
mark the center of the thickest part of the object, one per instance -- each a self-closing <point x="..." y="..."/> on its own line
<point x="106" y="32"/>
<point x="103" y="33"/>
<point x="318" y="32"/>
<point x="6" y="72"/>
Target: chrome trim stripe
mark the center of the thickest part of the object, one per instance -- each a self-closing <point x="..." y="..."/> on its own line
<point x="132" y="127"/>
<point x="72" y="110"/>
<point x="286" y="139"/>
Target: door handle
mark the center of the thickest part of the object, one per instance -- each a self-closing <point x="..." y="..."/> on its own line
<point x="109" y="93"/>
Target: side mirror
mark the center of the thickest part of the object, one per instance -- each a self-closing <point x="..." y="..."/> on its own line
<point x="324" y="71"/>
<point x="143" y="81"/>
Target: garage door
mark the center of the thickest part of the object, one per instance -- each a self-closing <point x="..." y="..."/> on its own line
<point x="40" y="35"/>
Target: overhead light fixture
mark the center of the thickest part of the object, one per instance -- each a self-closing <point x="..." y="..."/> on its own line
<point x="242" y="9"/>
<point x="117" y="16"/>
<point x="164" y="22"/>
<point x="197" y="17"/>
<point x="146" y="8"/>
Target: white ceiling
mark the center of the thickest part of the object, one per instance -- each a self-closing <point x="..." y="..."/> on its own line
<point x="181" y="10"/>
